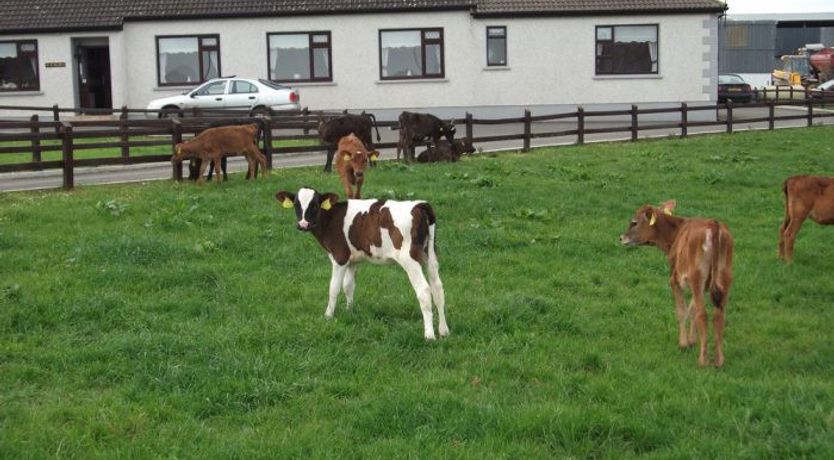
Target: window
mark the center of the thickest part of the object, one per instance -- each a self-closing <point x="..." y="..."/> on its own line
<point x="186" y="60"/>
<point x="19" y="66"/>
<point x="299" y="57"/>
<point x="243" y="87"/>
<point x="627" y="49"/>
<point x="409" y="54"/>
<point x="212" y="89"/>
<point x="496" y="42"/>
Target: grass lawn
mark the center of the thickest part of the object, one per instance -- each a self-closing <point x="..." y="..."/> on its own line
<point x="115" y="152"/>
<point x="174" y="320"/>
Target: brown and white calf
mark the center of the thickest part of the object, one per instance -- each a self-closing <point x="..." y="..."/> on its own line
<point x="378" y="231"/>
<point x="700" y="253"/>
<point x="351" y="160"/>
<point x="805" y="196"/>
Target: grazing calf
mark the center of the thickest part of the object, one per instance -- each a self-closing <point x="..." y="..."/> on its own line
<point x="416" y="127"/>
<point x="194" y="164"/>
<point x="332" y="130"/>
<point x="351" y="160"/>
<point x="213" y="143"/>
<point x="700" y="253"/>
<point x="445" y="151"/>
<point x="378" y="231"/>
<point x="805" y="196"/>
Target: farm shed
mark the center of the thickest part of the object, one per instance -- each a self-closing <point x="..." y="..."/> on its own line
<point x="492" y="57"/>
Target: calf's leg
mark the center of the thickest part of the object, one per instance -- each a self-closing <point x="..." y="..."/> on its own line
<point x="437" y="294"/>
<point x="349" y="284"/>
<point x="683" y="313"/>
<point x="792" y="229"/>
<point x="718" y="325"/>
<point x="200" y="174"/>
<point x="336" y="278"/>
<point x="421" y="288"/>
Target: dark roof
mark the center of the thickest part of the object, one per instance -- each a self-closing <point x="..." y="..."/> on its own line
<point x="21" y="16"/>
<point x="584" y="7"/>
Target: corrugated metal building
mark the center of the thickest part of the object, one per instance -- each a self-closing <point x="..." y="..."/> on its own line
<point x="751" y="44"/>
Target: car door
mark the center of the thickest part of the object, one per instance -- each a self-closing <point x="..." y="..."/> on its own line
<point x="242" y="95"/>
<point x="209" y="96"/>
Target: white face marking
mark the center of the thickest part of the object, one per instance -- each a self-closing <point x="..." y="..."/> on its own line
<point x="304" y="197"/>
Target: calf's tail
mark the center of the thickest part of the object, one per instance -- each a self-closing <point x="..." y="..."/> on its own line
<point x="721" y="275"/>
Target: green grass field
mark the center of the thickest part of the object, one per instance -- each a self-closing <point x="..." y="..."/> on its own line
<point x="182" y="321"/>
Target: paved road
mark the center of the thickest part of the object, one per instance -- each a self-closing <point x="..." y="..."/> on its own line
<point x="162" y="171"/>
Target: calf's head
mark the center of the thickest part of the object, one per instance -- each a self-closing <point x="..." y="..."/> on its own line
<point x="449" y="131"/>
<point x="309" y="205"/>
<point x="642" y="229"/>
<point x="358" y="161"/>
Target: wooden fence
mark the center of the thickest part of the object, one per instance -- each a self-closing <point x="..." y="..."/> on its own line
<point x="70" y="137"/>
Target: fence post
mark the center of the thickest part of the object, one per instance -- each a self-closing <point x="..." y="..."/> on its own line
<point x="469" y="127"/>
<point x="580" y="125"/>
<point x="729" y="106"/>
<point x="777" y="92"/>
<point x="305" y="112"/>
<point x="123" y="128"/>
<point x="56" y="117"/>
<point x="176" y="138"/>
<point x="67" y="155"/>
<point x="810" y="111"/>
<point x="684" y="119"/>
<point x="634" y="127"/>
<point x="527" y="129"/>
<point x="771" y="112"/>
<point x="267" y="122"/>
<point x="791" y="94"/>
<point x="35" y="129"/>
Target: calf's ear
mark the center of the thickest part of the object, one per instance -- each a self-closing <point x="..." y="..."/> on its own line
<point x="285" y="198"/>
<point x="651" y="216"/>
<point x="328" y="200"/>
<point x="668" y="206"/>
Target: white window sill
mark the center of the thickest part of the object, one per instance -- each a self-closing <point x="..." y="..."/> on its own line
<point x="20" y="93"/>
<point x="415" y="80"/>
<point x="496" y="67"/>
<point x="651" y="76"/>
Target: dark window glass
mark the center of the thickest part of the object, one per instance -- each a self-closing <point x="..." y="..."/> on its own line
<point x="412" y="53"/>
<point x="627" y="49"/>
<point x="188" y="60"/>
<point x="299" y="56"/>
<point x="496" y="46"/>
<point x="19" y="66"/>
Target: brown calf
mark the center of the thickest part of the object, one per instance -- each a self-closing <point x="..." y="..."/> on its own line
<point x="351" y="160"/>
<point x="805" y="196"/>
<point x="700" y="253"/>
<point x="213" y="143"/>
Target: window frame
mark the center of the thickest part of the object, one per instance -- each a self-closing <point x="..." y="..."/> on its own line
<point x="423" y="43"/>
<point x="200" y="50"/>
<point x="18" y="44"/>
<point x="311" y="47"/>
<point x="613" y="28"/>
<point x="506" y="58"/>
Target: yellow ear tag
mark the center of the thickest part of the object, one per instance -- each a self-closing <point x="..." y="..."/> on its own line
<point x="326" y="205"/>
<point x="346" y="158"/>
<point x="179" y="151"/>
<point x="653" y="220"/>
<point x="287" y="203"/>
<point x="666" y="211"/>
<point x="373" y="157"/>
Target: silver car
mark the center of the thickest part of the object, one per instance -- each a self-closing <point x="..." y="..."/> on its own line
<point x="230" y="93"/>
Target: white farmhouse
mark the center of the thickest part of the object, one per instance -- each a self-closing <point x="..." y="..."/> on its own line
<point x="447" y="56"/>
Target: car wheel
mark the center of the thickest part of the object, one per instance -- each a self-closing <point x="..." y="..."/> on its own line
<point x="170" y="112"/>
<point x="260" y="111"/>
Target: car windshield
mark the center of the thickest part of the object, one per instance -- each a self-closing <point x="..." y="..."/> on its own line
<point x="730" y="80"/>
<point x="272" y="84"/>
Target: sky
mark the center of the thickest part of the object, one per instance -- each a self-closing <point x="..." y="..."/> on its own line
<point x="780" y="6"/>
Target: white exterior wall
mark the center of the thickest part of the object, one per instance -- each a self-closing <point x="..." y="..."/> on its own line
<point x="551" y="62"/>
<point x="57" y="84"/>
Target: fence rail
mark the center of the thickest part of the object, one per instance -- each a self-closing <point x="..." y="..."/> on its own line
<point x="36" y="137"/>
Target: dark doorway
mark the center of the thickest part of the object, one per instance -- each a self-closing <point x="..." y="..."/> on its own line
<point x="93" y="74"/>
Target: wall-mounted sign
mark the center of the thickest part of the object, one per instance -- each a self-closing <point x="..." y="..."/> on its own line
<point x="56" y="64"/>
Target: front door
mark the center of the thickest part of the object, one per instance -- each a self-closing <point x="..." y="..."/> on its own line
<point x="93" y="66"/>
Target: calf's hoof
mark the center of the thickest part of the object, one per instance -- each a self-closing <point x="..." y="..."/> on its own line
<point x="444" y="332"/>
<point x="702" y="361"/>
